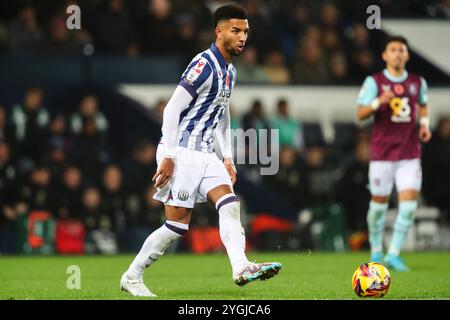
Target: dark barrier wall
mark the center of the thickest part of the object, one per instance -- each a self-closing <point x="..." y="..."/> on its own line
<point x="56" y="72"/>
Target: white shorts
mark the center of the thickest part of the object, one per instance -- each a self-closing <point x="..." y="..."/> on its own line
<point x="406" y="173"/>
<point x="195" y="174"/>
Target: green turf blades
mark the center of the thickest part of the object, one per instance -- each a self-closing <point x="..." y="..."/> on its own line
<point x="304" y="276"/>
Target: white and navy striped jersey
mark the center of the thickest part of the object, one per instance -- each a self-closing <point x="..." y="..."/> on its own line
<point x="210" y="80"/>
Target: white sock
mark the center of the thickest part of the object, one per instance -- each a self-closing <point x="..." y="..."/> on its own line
<point x="155" y="245"/>
<point x="231" y="231"/>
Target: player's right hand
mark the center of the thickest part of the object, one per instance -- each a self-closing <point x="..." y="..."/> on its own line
<point x="231" y="169"/>
<point x="164" y="172"/>
<point x="386" y="96"/>
<point x="424" y="134"/>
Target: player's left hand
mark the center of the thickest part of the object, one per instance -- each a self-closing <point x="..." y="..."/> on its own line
<point x="231" y="169"/>
<point x="424" y="134"/>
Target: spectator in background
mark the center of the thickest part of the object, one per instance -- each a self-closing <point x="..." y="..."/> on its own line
<point x="90" y="151"/>
<point x="352" y="189"/>
<point x="59" y="145"/>
<point x="187" y="37"/>
<point x="88" y="110"/>
<point x="312" y="33"/>
<point x="329" y="16"/>
<point x="275" y="68"/>
<point x="293" y="21"/>
<point x="68" y="194"/>
<point x="289" y="182"/>
<point x="142" y="222"/>
<point x="93" y="216"/>
<point x="113" y="197"/>
<point x="30" y="121"/>
<point x="360" y="38"/>
<point x="235" y="123"/>
<point x="319" y="176"/>
<point x="202" y="12"/>
<point x="255" y="118"/>
<point x="261" y="35"/>
<point x="113" y="30"/>
<point x="310" y="66"/>
<point x="37" y="192"/>
<point x="8" y="175"/>
<point x="439" y="9"/>
<point x="58" y="132"/>
<point x="289" y="129"/>
<point x="248" y="68"/>
<point x="5" y="130"/>
<point x="360" y="53"/>
<point x="8" y="199"/>
<point x="334" y="55"/>
<point x="25" y="34"/>
<point x="158" y="22"/>
<point x="436" y="168"/>
<point x="60" y="39"/>
<point x="362" y="63"/>
<point x="139" y="167"/>
<point x="331" y="42"/>
<point x="58" y="127"/>
<point x="152" y="212"/>
<point x="338" y="68"/>
<point x="100" y="237"/>
<point x="56" y="159"/>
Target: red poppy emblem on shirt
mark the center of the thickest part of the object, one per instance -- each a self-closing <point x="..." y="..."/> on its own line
<point x="399" y="89"/>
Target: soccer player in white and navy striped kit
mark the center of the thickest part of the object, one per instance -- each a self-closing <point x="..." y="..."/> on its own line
<point x="188" y="169"/>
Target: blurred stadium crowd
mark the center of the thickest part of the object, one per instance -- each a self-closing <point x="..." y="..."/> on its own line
<point x="312" y="42"/>
<point x="63" y="182"/>
<point x="62" y="165"/>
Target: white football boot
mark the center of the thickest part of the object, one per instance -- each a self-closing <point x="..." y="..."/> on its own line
<point x="135" y="286"/>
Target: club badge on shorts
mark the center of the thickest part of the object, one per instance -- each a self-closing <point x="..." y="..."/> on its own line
<point x="183" y="195"/>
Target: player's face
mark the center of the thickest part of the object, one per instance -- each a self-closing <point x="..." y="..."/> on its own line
<point x="396" y="55"/>
<point x="233" y="35"/>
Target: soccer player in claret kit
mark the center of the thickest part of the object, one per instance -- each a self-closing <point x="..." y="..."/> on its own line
<point x="394" y="98"/>
<point x="188" y="169"/>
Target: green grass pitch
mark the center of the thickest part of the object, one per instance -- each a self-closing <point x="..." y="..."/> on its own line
<point x="196" y="277"/>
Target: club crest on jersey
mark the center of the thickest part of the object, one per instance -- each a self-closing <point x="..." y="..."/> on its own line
<point x="385" y="87"/>
<point x="183" y="195"/>
<point x="196" y="71"/>
<point x="413" y="89"/>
